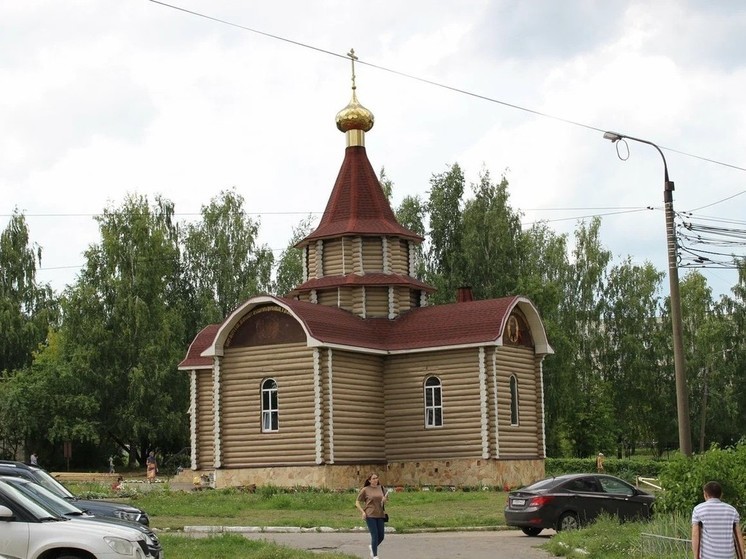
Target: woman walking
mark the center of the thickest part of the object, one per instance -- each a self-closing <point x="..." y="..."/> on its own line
<point x="152" y="467"/>
<point x="370" y="503"/>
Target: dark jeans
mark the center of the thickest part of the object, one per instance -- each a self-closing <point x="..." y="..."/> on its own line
<point x="375" y="527"/>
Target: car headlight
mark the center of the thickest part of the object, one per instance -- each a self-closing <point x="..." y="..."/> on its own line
<point x="126" y="515"/>
<point x="121" y="546"/>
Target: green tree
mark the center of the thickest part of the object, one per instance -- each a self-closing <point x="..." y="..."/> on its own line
<point x="491" y="245"/>
<point x="544" y="278"/>
<point x="223" y="264"/>
<point x="46" y="403"/>
<point x="27" y="309"/>
<point x="290" y="267"/>
<point x="592" y="412"/>
<point x="412" y="213"/>
<point x="712" y="388"/>
<point x="444" y="255"/>
<point x="629" y="355"/>
<point x="123" y="333"/>
<point x="387" y="184"/>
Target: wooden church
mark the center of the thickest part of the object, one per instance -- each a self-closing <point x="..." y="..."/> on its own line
<point x="354" y="372"/>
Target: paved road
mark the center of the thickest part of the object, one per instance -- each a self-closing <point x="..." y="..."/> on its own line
<point x="504" y="544"/>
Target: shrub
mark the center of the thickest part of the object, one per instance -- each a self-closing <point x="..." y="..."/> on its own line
<point x="683" y="478"/>
<point x="625" y="468"/>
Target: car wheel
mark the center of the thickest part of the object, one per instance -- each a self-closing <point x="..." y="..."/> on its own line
<point x="568" y="521"/>
<point x="69" y="557"/>
<point x="531" y="531"/>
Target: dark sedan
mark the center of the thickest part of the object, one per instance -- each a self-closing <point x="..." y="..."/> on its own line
<point x="568" y="501"/>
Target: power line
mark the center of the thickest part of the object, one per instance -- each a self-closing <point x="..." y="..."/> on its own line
<point x="430" y="82"/>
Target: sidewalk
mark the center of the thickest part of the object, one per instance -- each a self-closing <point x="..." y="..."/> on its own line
<point x="479" y="544"/>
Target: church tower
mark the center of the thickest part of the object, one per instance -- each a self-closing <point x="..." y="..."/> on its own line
<point x="360" y="258"/>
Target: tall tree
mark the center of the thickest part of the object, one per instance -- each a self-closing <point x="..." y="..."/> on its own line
<point x="411" y="213"/>
<point x="492" y="248"/>
<point x="712" y="390"/>
<point x="445" y="256"/>
<point x="629" y="355"/>
<point x="586" y="284"/>
<point x="27" y="309"/>
<point x="45" y="404"/>
<point x="290" y="267"/>
<point x="544" y="278"/>
<point x="124" y="329"/>
<point x="223" y="263"/>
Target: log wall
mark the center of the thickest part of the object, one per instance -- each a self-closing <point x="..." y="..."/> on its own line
<point x="460" y="435"/>
<point x="357" y="428"/>
<point x="372" y="251"/>
<point x="205" y="414"/>
<point x="333" y="257"/>
<point x="243" y="370"/>
<point x="376" y="302"/>
<point x="398" y="256"/>
<point x="523" y="439"/>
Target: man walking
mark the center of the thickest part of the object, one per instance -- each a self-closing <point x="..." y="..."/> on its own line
<point x="716" y="528"/>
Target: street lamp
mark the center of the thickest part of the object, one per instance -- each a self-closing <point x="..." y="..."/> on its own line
<point x="682" y="398"/>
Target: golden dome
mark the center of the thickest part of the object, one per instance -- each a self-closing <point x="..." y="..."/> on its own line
<point x="354" y="116"/>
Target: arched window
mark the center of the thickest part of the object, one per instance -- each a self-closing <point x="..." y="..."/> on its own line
<point x="433" y="402"/>
<point x="270" y="413"/>
<point x="513" y="400"/>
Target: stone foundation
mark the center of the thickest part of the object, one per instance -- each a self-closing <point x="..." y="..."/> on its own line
<point x="425" y="473"/>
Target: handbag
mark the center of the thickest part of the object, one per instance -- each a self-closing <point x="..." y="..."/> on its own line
<point x="385" y="514"/>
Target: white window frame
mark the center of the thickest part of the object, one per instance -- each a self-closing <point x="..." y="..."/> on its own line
<point x="270" y="406"/>
<point x="433" y="393"/>
<point x="515" y="418"/>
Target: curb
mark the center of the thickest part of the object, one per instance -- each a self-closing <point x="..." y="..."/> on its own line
<point x="327" y="529"/>
<point x="275" y="529"/>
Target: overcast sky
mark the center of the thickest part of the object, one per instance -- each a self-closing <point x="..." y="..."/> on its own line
<point x="100" y="98"/>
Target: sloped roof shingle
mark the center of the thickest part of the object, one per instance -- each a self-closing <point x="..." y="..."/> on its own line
<point x="357" y="204"/>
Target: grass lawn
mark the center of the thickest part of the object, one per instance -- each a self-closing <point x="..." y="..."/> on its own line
<point x="408" y="510"/>
<point x="234" y="546"/>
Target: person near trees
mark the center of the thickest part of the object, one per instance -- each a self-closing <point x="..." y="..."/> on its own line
<point x="152" y="467"/>
<point x="370" y="501"/>
<point x="34" y="459"/>
<point x="716" y="527"/>
<point x="600" y="463"/>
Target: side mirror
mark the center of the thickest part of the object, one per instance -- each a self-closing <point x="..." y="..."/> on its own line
<point x="6" y="513"/>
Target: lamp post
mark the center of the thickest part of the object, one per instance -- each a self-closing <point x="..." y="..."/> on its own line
<point x="682" y="398"/>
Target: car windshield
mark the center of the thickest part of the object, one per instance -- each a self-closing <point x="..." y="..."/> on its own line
<point x="45" y="498"/>
<point x="45" y="480"/>
<point x="33" y="507"/>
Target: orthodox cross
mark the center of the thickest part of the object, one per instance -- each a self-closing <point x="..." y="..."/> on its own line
<point x="353" y="58"/>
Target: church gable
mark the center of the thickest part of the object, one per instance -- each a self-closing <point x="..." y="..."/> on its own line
<point x="265" y="325"/>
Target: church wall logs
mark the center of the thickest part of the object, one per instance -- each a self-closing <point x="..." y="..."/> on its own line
<point x="357" y="408"/>
<point x="407" y="436"/>
<point x="205" y="420"/>
<point x="524" y="438"/>
<point x="243" y="370"/>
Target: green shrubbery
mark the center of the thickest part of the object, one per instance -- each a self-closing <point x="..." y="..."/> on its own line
<point x="682" y="478"/>
<point x="625" y="468"/>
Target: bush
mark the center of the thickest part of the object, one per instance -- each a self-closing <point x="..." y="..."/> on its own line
<point x="625" y="468"/>
<point x="683" y="478"/>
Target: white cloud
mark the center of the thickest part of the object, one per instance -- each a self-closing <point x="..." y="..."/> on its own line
<point x="103" y="97"/>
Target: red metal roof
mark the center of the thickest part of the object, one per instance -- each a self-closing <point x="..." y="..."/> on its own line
<point x="202" y="341"/>
<point x="440" y="326"/>
<point x="357" y="205"/>
<point x="365" y="279"/>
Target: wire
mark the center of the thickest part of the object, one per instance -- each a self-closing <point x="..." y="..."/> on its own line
<point x="428" y="81"/>
<point x="719" y="201"/>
